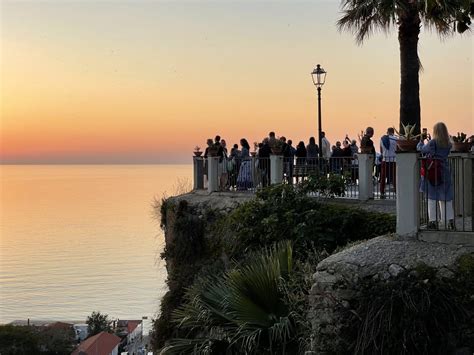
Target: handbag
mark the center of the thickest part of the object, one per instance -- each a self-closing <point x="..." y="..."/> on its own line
<point x="432" y="170"/>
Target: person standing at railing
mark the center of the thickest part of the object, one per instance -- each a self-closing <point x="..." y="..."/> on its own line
<point x="263" y="157"/>
<point x="312" y="151"/>
<point x="224" y="175"/>
<point x="366" y="142"/>
<point x="244" y="180"/>
<point x="325" y="146"/>
<point x="209" y="144"/>
<point x="336" y="158"/>
<point x="388" y="147"/>
<point x="233" y="166"/>
<point x="441" y="189"/>
<point x="300" y="167"/>
<point x="291" y="160"/>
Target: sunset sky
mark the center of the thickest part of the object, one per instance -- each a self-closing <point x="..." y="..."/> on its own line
<point x="146" y="81"/>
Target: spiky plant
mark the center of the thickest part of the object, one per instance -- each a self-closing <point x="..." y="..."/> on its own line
<point x="242" y="311"/>
<point x="408" y="132"/>
<point x="363" y="17"/>
<point x="461" y="137"/>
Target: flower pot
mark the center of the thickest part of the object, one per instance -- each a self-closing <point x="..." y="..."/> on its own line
<point x="406" y="145"/>
<point x="461" y="147"/>
<point x="197" y="154"/>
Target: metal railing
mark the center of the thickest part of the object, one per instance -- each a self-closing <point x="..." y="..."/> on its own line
<point x="446" y="193"/>
<point x="232" y="174"/>
<point x="252" y="173"/>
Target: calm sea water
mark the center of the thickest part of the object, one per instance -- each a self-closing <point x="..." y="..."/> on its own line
<point x="78" y="238"/>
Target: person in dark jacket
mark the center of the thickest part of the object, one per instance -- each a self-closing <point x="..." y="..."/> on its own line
<point x="300" y="167"/>
<point x="264" y="162"/>
<point x="366" y="143"/>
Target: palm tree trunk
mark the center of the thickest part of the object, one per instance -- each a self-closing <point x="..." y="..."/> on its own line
<point x="408" y="31"/>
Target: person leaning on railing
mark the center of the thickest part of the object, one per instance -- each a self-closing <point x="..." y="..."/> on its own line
<point x="442" y="190"/>
<point x="388" y="146"/>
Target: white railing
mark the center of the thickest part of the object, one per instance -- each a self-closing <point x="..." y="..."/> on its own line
<point x="412" y="205"/>
<point x="363" y="178"/>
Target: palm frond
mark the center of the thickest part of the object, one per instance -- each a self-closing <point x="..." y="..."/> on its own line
<point x="240" y="308"/>
<point x="364" y="17"/>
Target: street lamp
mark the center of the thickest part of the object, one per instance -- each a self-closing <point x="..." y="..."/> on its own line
<point x="319" y="77"/>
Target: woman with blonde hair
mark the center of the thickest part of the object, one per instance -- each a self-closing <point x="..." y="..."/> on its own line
<point x="437" y="183"/>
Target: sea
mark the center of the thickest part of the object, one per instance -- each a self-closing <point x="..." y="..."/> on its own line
<point x="81" y="238"/>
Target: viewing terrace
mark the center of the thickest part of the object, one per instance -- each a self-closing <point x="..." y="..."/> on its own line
<point x="354" y="179"/>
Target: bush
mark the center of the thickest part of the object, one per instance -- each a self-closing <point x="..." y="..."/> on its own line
<point x="257" y="306"/>
<point x="211" y="243"/>
<point x="416" y="313"/>
<point x="283" y="212"/>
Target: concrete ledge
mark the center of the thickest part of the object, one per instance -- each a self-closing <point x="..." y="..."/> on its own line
<point x="445" y="237"/>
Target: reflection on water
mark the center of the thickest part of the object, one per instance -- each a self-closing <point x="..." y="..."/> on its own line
<point x="78" y="238"/>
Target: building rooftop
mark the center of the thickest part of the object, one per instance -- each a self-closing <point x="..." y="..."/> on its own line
<point x="99" y="344"/>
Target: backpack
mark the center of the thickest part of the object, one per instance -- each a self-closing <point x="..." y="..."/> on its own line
<point x="386" y="141"/>
<point x="432" y="170"/>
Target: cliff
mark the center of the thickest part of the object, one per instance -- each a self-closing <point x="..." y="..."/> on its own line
<point x="207" y="234"/>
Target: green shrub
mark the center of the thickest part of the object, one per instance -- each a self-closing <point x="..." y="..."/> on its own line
<point x="327" y="185"/>
<point x="254" y="307"/>
<point x="416" y="313"/>
<point x="283" y="212"/>
<point x="212" y="243"/>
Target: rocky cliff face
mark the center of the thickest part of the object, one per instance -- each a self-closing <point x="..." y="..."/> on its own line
<point x="380" y="259"/>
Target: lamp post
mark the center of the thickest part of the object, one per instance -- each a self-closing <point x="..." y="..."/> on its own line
<point x="319" y="77"/>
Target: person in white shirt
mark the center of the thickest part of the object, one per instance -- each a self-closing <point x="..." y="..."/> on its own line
<point x="388" y="147"/>
<point x="325" y="146"/>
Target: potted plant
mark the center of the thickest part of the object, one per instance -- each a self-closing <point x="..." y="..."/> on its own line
<point x="197" y="151"/>
<point x="407" y="140"/>
<point x="460" y="143"/>
<point x="276" y="145"/>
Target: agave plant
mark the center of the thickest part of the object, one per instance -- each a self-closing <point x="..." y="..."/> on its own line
<point x="242" y="311"/>
<point x="408" y="132"/>
<point x="460" y="138"/>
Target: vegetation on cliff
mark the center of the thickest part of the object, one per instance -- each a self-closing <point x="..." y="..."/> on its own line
<point x="418" y="312"/>
<point x="209" y="242"/>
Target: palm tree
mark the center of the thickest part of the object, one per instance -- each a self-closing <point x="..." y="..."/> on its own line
<point x="363" y="17"/>
<point x="242" y="311"/>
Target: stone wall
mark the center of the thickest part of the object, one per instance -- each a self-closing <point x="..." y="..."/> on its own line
<point x="380" y="258"/>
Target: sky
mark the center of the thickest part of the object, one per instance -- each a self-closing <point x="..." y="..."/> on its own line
<point x="146" y="81"/>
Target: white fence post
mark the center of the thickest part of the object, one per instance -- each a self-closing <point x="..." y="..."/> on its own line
<point x="408" y="175"/>
<point x="366" y="168"/>
<point x="198" y="173"/>
<point x="212" y="178"/>
<point x="276" y="169"/>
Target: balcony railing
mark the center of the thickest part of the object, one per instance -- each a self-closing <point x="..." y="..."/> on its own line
<point x="362" y="178"/>
<point x="446" y="197"/>
<point x="398" y="181"/>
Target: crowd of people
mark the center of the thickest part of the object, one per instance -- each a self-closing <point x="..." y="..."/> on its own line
<point x="238" y="171"/>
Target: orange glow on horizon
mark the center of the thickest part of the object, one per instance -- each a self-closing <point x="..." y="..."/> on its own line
<point x="160" y="82"/>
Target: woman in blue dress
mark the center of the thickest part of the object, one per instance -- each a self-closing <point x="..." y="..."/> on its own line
<point x="244" y="180"/>
<point x="439" y="148"/>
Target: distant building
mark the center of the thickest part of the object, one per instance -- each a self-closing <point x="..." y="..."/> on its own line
<point x="135" y="330"/>
<point x="100" y="344"/>
<point x="132" y="329"/>
<point x="81" y="331"/>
